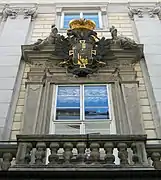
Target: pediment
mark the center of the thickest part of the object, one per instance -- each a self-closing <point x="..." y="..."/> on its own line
<point x="82" y="52"/>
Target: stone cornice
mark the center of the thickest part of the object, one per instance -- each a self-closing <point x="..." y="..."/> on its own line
<point x="14" y="11"/>
<point x="141" y="11"/>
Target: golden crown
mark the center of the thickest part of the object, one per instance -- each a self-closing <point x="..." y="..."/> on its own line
<point x="82" y="23"/>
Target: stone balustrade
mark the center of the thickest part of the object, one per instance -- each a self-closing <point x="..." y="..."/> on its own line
<point x="80" y="151"/>
<point x="7" y="154"/>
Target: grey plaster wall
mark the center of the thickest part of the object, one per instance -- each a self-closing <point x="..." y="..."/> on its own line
<point x="13" y="35"/>
<point x="149" y="33"/>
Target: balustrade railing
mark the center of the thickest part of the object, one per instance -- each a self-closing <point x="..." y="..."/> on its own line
<point x="102" y="151"/>
<point x="82" y="150"/>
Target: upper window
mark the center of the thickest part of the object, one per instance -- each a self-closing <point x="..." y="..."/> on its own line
<point x="67" y="17"/>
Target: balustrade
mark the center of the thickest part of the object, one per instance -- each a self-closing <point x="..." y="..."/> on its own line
<point x="80" y="151"/>
<point x="74" y="150"/>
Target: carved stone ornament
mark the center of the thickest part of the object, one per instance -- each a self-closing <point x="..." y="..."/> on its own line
<point x="31" y="12"/>
<point x="151" y="11"/>
<point x="155" y="11"/>
<point x="81" y="52"/>
<point x="13" y="12"/>
<point x="8" y="11"/>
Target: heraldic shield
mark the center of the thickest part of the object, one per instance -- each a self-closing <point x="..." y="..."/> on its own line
<point x="82" y="54"/>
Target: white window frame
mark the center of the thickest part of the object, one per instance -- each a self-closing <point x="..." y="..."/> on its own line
<point x="81" y="16"/>
<point x="82" y="121"/>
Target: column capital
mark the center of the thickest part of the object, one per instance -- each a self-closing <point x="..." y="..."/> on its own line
<point x="141" y="11"/>
<point x="13" y="12"/>
<point x="9" y="12"/>
<point x="30" y="12"/>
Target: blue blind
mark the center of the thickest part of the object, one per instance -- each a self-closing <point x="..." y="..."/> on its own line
<point x="92" y="16"/>
<point x="69" y="17"/>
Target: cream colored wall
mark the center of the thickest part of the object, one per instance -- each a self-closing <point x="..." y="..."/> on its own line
<point x="122" y="22"/>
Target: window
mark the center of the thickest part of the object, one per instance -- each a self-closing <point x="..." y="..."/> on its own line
<point x="67" y="17"/>
<point x="81" y="109"/>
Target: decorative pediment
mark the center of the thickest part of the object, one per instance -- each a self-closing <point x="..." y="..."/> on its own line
<point x="81" y="52"/>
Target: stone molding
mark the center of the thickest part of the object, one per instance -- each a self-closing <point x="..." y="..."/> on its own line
<point x="141" y="11"/>
<point x="13" y="12"/>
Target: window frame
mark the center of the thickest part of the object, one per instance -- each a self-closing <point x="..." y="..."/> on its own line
<point x="82" y="109"/>
<point x="81" y="15"/>
<point x="110" y="122"/>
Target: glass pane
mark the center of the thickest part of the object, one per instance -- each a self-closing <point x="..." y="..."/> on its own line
<point x="96" y="113"/>
<point x="95" y="90"/>
<point x="69" y="17"/>
<point x="100" y="128"/>
<point x="68" y="114"/>
<point x="69" y="90"/>
<point x="68" y="101"/>
<point x="67" y="128"/>
<point x="92" y="16"/>
<point x="96" y="101"/>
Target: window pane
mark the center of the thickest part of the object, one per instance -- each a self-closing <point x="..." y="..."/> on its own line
<point x="92" y="16"/>
<point x="68" y="101"/>
<point x="67" y="128"/>
<point x="96" y="113"/>
<point x="95" y="90"/>
<point x="69" y="90"/>
<point x="96" y="101"/>
<point x="69" y="17"/>
<point x="97" y="127"/>
<point x="68" y="114"/>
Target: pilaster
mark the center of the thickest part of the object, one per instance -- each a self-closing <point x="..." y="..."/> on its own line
<point x="148" y="26"/>
<point x="16" y="24"/>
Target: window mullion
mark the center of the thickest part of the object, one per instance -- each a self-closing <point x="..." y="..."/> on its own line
<point x="82" y="128"/>
<point x="109" y="102"/>
<point x="81" y="14"/>
<point x="81" y="103"/>
<point x="100" y="20"/>
<point x="62" y="20"/>
<point x="83" y="110"/>
<point x="55" y="102"/>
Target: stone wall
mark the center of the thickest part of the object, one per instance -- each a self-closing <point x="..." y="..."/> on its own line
<point x="123" y="23"/>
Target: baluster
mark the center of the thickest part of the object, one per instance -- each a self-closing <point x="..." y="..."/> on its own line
<point x="6" y="163"/>
<point x="156" y="157"/>
<point x="81" y="146"/>
<point x="27" y="158"/>
<point x="53" y="157"/>
<point x="67" y="154"/>
<point x="123" y="154"/>
<point x="40" y="153"/>
<point x="135" y="157"/>
<point x="95" y="154"/>
<point x="109" y="158"/>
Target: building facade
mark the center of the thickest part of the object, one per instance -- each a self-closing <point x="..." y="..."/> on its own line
<point x="80" y="88"/>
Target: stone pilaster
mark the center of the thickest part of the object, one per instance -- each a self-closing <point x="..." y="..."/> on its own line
<point x="148" y="26"/>
<point x="16" y="25"/>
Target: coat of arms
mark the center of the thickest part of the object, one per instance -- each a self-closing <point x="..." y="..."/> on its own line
<point x="81" y="51"/>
